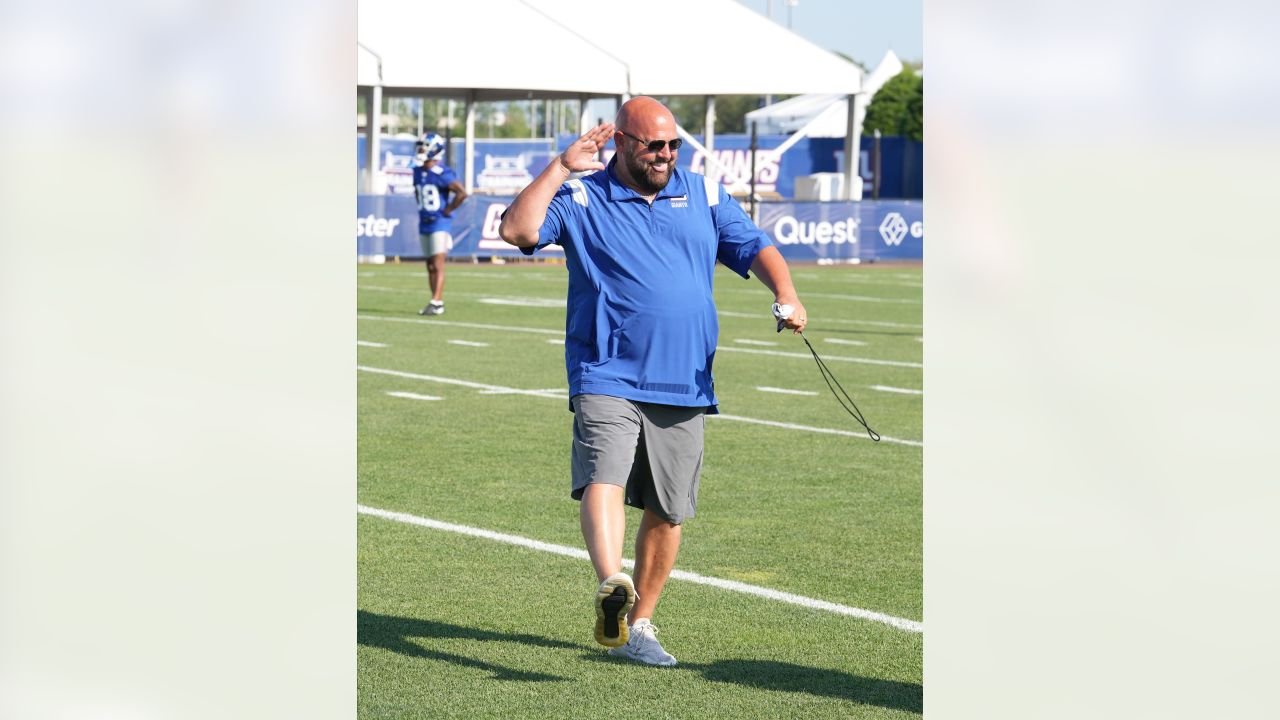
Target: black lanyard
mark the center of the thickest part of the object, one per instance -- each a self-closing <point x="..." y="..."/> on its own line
<point x="827" y="375"/>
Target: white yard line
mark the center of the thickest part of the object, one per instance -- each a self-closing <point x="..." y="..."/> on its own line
<point x="903" y="391"/>
<point x="366" y="343"/>
<point x="559" y="341"/>
<point x="746" y="341"/>
<point x="413" y="396"/>
<point x="810" y="428"/>
<point x="523" y="302"/>
<point x="544" y="331"/>
<point x="806" y="356"/>
<point x="454" y="323"/>
<point x="485" y="275"/>
<point x="464" y="383"/>
<point x="468" y="343"/>
<point x="837" y="321"/>
<point x="842" y="341"/>
<point x="768" y="593"/>
<point x="784" y="391"/>
<point x="865" y="298"/>
<point x="559" y="394"/>
<point x="837" y="296"/>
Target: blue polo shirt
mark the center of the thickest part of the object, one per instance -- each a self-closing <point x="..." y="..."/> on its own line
<point x="641" y="322"/>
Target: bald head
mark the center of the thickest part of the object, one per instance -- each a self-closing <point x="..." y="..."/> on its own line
<point x="647" y="118"/>
<point x="642" y="121"/>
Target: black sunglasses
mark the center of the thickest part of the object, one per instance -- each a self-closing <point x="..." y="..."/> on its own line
<point x="656" y="145"/>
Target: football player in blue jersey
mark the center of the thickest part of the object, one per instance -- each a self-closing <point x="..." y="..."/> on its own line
<point x="438" y="192"/>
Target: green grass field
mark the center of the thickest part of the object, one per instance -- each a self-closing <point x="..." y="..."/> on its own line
<point x="457" y="626"/>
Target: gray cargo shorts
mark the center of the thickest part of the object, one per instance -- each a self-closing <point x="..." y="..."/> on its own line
<point x="652" y="451"/>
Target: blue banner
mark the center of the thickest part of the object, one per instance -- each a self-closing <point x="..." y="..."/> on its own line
<point x="868" y="230"/>
<point x="387" y="226"/>
<point x="506" y="166"/>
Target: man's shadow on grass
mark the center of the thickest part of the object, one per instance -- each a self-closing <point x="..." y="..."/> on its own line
<point x="392" y="633"/>
<point x="788" y="677"/>
<point x="771" y="675"/>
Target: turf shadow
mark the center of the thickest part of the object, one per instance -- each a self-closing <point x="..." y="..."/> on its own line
<point x="771" y="675"/>
<point x="392" y="633"/>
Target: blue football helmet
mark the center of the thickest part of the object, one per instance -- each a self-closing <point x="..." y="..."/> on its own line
<point x="429" y="147"/>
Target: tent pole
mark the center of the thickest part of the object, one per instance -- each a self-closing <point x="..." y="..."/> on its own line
<point x="852" y="151"/>
<point x="709" y="124"/>
<point x="469" y="153"/>
<point x="375" y="140"/>
<point x="584" y="118"/>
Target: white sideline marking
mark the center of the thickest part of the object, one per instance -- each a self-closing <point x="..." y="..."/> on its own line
<point x="464" y="383"/>
<point x="541" y="331"/>
<point x="524" y="302"/>
<point x="746" y="341"/>
<point x="556" y="342"/>
<point x="380" y="288"/>
<point x="838" y="321"/>
<point x="485" y="275"/>
<point x="809" y="428"/>
<point x="366" y="343"/>
<point x="865" y="361"/>
<point x="413" y="396"/>
<point x="900" y="623"/>
<point x="560" y="395"/>
<point x="904" y="391"/>
<point x="842" y="341"/>
<point x="563" y="392"/>
<point x="455" y="323"/>
<point x="864" y="298"/>
<point x="784" y="391"/>
<point x="837" y="296"/>
<point x="468" y="343"/>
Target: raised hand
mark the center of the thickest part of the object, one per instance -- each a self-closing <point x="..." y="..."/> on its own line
<point x="581" y="155"/>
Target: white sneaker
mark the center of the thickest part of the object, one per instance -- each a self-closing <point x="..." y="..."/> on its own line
<point x="433" y="308"/>
<point x="644" y="646"/>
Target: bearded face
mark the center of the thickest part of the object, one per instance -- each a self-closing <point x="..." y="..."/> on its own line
<point x="650" y="170"/>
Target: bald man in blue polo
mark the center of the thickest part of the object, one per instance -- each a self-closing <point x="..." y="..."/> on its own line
<point x="641" y="239"/>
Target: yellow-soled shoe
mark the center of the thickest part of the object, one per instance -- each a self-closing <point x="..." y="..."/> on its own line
<point x="614" y="599"/>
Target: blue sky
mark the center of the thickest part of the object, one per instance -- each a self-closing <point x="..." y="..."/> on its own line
<point x="861" y="29"/>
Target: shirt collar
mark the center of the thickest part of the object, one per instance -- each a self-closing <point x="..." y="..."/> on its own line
<point x="617" y="190"/>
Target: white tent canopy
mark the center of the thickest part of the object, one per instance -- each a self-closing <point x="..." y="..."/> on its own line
<point x="509" y="48"/>
<point x="704" y="47"/>
<point x="523" y="49"/>
<point x="826" y="115"/>
<point x="500" y="49"/>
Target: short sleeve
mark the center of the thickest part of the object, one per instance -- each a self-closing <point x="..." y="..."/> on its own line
<point x="558" y="215"/>
<point x="739" y="240"/>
